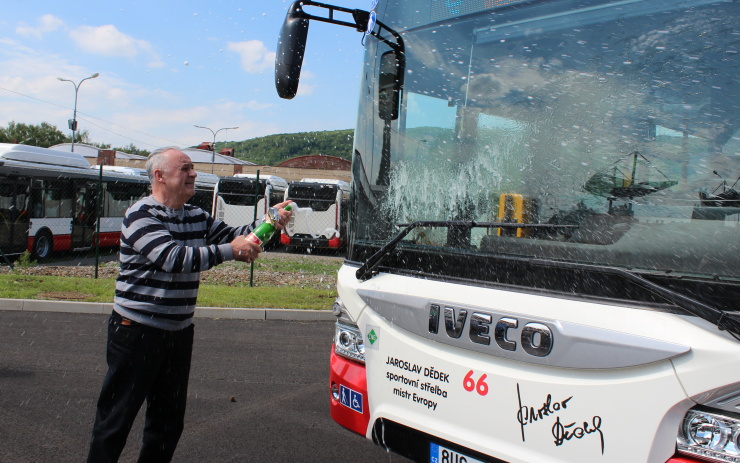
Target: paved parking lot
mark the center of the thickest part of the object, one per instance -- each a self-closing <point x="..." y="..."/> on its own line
<point x="258" y="392"/>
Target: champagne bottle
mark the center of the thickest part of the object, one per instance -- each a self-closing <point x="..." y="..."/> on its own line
<point x="265" y="231"/>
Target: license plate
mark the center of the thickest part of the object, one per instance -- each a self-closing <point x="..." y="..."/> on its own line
<point x="439" y="454"/>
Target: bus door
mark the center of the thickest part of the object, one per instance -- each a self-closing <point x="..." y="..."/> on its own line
<point x="84" y="220"/>
<point x="14" y="218"/>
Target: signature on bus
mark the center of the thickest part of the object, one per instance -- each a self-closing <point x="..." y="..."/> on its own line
<point x="565" y="432"/>
<point x="561" y="432"/>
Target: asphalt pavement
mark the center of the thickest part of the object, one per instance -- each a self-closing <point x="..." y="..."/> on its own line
<point x="258" y="391"/>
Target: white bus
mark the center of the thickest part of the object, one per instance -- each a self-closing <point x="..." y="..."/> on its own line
<point x="238" y="198"/>
<point x="48" y="201"/>
<point x="320" y="220"/>
<point x="541" y="266"/>
<point x="205" y="185"/>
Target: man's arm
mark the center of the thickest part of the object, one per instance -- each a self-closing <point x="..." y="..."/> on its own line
<point x="147" y="235"/>
<point x="242" y="249"/>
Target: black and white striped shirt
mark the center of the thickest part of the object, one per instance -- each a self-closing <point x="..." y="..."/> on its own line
<point x="162" y="253"/>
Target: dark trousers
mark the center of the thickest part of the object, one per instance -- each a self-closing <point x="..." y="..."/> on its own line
<point x="143" y="363"/>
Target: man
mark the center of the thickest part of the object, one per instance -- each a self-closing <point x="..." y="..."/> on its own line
<point x="165" y="244"/>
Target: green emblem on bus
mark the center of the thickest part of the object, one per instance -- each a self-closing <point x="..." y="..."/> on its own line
<point x="372" y="337"/>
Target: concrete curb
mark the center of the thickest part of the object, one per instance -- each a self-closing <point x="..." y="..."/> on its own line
<point x="33" y="305"/>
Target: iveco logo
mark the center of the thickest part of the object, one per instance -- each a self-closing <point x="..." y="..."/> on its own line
<point x="534" y="338"/>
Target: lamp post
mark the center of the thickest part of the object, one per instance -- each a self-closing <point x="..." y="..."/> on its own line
<point x="213" y="146"/>
<point x="73" y="121"/>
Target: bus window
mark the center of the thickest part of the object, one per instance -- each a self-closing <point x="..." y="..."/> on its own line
<point x="52" y="199"/>
<point x="203" y="199"/>
<point x="119" y="196"/>
<point x="317" y="197"/>
<point x="240" y="192"/>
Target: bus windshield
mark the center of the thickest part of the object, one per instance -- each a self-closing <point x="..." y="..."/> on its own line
<point x="319" y="197"/>
<point x="241" y="191"/>
<point x="613" y="126"/>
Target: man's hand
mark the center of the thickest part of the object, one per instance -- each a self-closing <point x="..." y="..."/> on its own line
<point x="284" y="215"/>
<point x="245" y="250"/>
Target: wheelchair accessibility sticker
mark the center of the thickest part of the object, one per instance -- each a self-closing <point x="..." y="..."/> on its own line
<point x="350" y="399"/>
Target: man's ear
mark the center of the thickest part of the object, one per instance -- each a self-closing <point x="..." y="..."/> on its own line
<point x="158" y="175"/>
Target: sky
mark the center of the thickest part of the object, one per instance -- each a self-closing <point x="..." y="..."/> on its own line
<point x="167" y="65"/>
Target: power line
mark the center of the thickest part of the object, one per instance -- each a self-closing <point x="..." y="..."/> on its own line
<point x="172" y="142"/>
<point x="33" y="98"/>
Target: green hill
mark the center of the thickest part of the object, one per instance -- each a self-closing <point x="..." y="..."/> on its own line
<point x="274" y="149"/>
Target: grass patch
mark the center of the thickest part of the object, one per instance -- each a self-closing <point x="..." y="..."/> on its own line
<point x="16" y="286"/>
<point x="297" y="265"/>
<point x="85" y="289"/>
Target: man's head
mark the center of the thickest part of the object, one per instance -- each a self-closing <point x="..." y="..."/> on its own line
<point x="172" y="176"/>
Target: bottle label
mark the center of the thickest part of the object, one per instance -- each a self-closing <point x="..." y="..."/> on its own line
<point x="254" y="239"/>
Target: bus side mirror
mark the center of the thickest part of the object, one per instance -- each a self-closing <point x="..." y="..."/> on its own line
<point x="290" y="49"/>
<point x="390" y="84"/>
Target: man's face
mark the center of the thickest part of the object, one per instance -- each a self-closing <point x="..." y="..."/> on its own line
<point x="179" y="176"/>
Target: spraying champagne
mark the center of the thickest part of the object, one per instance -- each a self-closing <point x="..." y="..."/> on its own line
<point x="266" y="230"/>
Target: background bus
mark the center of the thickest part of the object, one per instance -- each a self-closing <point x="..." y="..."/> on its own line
<point x="205" y="184"/>
<point x="238" y="197"/>
<point x="48" y="201"/>
<point x="321" y="218"/>
<point x="205" y="187"/>
<point x="544" y="258"/>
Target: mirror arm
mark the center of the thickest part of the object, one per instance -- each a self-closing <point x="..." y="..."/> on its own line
<point x="361" y="18"/>
<point x="358" y="15"/>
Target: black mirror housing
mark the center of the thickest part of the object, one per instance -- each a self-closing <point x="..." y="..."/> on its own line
<point x="390" y="84"/>
<point x="290" y="50"/>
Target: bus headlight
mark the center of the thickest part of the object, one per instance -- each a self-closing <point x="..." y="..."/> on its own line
<point x="711" y="436"/>
<point x="348" y="342"/>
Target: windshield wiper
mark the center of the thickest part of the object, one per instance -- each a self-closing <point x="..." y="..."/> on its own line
<point x="723" y="320"/>
<point x="368" y="268"/>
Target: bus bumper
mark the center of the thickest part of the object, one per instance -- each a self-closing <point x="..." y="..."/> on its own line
<point x="348" y="401"/>
<point x="310" y="242"/>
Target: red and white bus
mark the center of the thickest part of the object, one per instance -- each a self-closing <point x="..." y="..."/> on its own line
<point x="319" y="220"/>
<point x="238" y="198"/>
<point x="49" y="201"/>
<point x="241" y="198"/>
<point x="544" y="259"/>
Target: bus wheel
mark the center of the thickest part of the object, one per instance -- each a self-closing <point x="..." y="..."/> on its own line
<point x="42" y="245"/>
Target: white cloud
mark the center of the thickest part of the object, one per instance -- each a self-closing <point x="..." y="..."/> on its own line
<point x="115" y="110"/>
<point x="305" y="87"/>
<point x="109" y="41"/>
<point x="45" y="24"/>
<point x="255" y="57"/>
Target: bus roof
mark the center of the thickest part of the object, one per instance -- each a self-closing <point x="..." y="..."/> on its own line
<point x="271" y="179"/>
<point x="36" y="155"/>
<point x="328" y="181"/>
<point x="205" y="178"/>
<point x="122" y="170"/>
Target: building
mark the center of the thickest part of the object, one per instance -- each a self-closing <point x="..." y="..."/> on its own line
<point x="313" y="166"/>
<point x="224" y="164"/>
<point x="97" y="156"/>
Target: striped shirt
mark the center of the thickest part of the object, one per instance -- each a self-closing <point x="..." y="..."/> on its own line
<point x="162" y="253"/>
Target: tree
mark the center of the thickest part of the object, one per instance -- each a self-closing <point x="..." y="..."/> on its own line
<point x="132" y="149"/>
<point x="274" y="149"/>
<point x="43" y="135"/>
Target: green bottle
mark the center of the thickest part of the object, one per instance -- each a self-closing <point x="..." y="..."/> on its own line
<point x="265" y="231"/>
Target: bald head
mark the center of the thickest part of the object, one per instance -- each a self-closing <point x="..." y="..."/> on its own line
<point x="172" y="175"/>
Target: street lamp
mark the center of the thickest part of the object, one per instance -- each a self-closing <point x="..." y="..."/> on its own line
<point x="73" y="121"/>
<point x="213" y="146"/>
